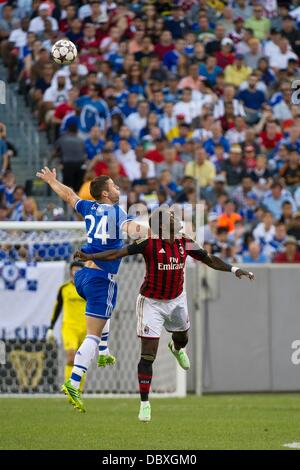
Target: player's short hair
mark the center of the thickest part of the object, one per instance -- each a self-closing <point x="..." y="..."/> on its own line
<point x="98" y="185"/>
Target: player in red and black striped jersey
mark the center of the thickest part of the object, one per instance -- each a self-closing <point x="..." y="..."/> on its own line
<point x="162" y="300"/>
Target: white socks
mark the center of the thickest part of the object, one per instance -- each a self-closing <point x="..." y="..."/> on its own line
<point x="83" y="358"/>
<point x="103" y="346"/>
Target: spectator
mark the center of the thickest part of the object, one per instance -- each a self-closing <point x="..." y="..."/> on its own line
<point x="165" y="45"/>
<point x="177" y="23"/>
<point x="274" y="199"/>
<point x="212" y="193"/>
<point x="187" y="107"/>
<point x="291" y="254"/>
<point x="37" y="24"/>
<point x="287" y="214"/>
<point x="16" y="209"/>
<point x="192" y="80"/>
<point x="254" y="255"/>
<point x="290" y="171"/>
<point x="70" y="150"/>
<point x="238" y="72"/>
<point x="174" y="167"/>
<point x="294" y="229"/>
<point x="270" y="136"/>
<point x="216" y="139"/>
<point x="94" y="144"/>
<point x="265" y="230"/>
<point x="233" y="169"/>
<point x="127" y="158"/>
<point x="258" y="23"/>
<point x="229" y="218"/>
<point x="136" y="121"/>
<point x="156" y="82"/>
<point x="210" y="70"/>
<point x="210" y="229"/>
<point x="252" y="99"/>
<point x="100" y="164"/>
<point x="253" y="56"/>
<point x="30" y="210"/>
<point x="280" y="60"/>
<point x="226" y="56"/>
<point x="201" y="168"/>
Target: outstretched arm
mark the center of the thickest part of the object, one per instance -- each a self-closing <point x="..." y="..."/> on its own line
<point x="217" y="263"/>
<point x="133" y="249"/>
<point x="102" y="256"/>
<point x="214" y="262"/>
<point x="64" y="192"/>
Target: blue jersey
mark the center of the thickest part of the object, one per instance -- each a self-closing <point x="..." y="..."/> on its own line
<point x="104" y="230"/>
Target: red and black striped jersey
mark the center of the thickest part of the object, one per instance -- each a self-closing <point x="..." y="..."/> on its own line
<point x="165" y="262"/>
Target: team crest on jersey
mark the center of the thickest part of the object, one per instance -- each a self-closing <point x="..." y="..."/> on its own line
<point x="181" y="250"/>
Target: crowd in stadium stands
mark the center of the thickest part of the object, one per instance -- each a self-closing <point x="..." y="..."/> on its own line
<point x="178" y="101"/>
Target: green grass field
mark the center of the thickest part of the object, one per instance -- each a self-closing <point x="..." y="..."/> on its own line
<point x="209" y="422"/>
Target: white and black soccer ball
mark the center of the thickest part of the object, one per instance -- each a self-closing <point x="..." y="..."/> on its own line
<point x="64" y="52"/>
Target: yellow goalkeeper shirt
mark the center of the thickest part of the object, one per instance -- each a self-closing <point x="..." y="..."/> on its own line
<point x="73" y="307"/>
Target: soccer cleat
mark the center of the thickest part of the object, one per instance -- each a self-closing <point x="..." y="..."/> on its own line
<point x="106" y="360"/>
<point x="145" y="412"/>
<point x="73" y="395"/>
<point x="181" y="356"/>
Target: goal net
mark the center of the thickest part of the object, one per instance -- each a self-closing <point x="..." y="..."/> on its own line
<point x="34" y="259"/>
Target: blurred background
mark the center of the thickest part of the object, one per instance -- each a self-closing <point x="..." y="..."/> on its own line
<point x="189" y="101"/>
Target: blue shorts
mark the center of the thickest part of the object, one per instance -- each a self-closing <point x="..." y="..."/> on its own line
<point x="99" y="292"/>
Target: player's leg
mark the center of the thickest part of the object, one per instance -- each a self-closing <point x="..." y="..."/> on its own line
<point x="104" y="357"/>
<point x="80" y="338"/>
<point x="178" y="323"/>
<point x="100" y="295"/>
<point x="149" y="325"/>
<point x="88" y="349"/>
<point x="177" y="345"/>
<point x="70" y="342"/>
<point x="149" y="349"/>
<point x="82" y="361"/>
<point x="70" y="355"/>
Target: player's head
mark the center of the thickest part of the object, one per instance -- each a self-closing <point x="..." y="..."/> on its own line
<point x="74" y="267"/>
<point x="103" y="189"/>
<point x="164" y="223"/>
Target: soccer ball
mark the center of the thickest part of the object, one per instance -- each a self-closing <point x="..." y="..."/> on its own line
<point x="64" y="52"/>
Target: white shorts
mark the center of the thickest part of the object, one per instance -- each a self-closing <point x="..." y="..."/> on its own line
<point x="153" y="315"/>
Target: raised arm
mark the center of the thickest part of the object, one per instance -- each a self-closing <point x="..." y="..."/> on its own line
<point x="64" y="192"/>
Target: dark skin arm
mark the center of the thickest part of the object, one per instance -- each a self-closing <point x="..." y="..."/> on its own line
<point x="210" y="260"/>
<point x="214" y="262"/>
<point x="218" y="264"/>
<point x="104" y="256"/>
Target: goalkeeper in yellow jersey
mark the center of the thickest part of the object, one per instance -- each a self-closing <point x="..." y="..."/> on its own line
<point x="74" y="323"/>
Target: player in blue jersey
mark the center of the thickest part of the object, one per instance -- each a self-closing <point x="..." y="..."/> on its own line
<point x="105" y="220"/>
